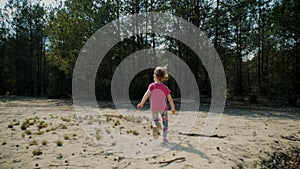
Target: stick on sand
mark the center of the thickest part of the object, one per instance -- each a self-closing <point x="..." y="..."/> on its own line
<point x="171" y="161"/>
<point x="60" y="165"/>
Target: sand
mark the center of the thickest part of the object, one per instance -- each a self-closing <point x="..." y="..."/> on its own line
<point x="53" y="137"/>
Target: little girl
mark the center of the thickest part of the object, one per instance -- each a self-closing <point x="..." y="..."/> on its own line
<point x="158" y="92"/>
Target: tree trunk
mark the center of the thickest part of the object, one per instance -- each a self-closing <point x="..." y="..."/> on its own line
<point x="239" y="56"/>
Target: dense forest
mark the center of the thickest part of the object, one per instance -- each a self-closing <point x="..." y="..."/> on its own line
<point x="258" y="42"/>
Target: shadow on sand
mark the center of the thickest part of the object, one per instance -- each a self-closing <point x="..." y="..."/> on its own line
<point x="189" y="149"/>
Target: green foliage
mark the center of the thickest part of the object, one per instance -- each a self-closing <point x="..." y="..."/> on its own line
<point x="22" y="48"/>
<point x="257" y="41"/>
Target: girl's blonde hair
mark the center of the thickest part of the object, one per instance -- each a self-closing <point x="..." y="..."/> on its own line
<point x="161" y="73"/>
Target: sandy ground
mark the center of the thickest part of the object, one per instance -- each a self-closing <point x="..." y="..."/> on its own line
<point x="45" y="133"/>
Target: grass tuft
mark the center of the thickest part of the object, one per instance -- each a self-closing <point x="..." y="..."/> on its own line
<point x="45" y="142"/>
<point x="117" y="123"/>
<point x="59" y="143"/>
<point x="37" y="152"/>
<point x="28" y="132"/>
<point x="66" y="137"/>
<point x="33" y="143"/>
<point x="42" y="124"/>
<point x="134" y="132"/>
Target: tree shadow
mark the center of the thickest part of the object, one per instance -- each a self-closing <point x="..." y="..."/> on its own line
<point x="253" y="111"/>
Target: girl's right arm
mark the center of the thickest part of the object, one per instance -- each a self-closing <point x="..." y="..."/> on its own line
<point x="146" y="96"/>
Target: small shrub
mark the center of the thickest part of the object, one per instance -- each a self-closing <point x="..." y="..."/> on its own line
<point x="39" y="133"/>
<point x="113" y="143"/>
<point x="63" y="126"/>
<point x="65" y="119"/>
<point x="16" y="122"/>
<point x="66" y="137"/>
<point x="59" y="143"/>
<point x="10" y="126"/>
<point x="24" y="126"/>
<point x="33" y="143"/>
<point x="37" y="152"/>
<point x="117" y="123"/>
<point x="42" y="124"/>
<point x="134" y="132"/>
<point x="44" y="142"/>
<point x="28" y="132"/>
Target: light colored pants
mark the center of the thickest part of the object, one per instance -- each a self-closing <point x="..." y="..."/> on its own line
<point x="164" y="116"/>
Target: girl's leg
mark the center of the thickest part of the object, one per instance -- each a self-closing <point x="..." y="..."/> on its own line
<point x="164" y="116"/>
<point x="155" y="119"/>
<point x="155" y="124"/>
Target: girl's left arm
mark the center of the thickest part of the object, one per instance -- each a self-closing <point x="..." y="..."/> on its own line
<point x="173" y="110"/>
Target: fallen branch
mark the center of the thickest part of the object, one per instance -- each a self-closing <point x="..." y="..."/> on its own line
<point x="165" y="163"/>
<point x="64" y="165"/>
<point x="201" y="135"/>
<point x="291" y="137"/>
<point x="126" y="165"/>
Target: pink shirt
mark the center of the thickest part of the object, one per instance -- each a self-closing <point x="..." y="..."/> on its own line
<point x="159" y="92"/>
